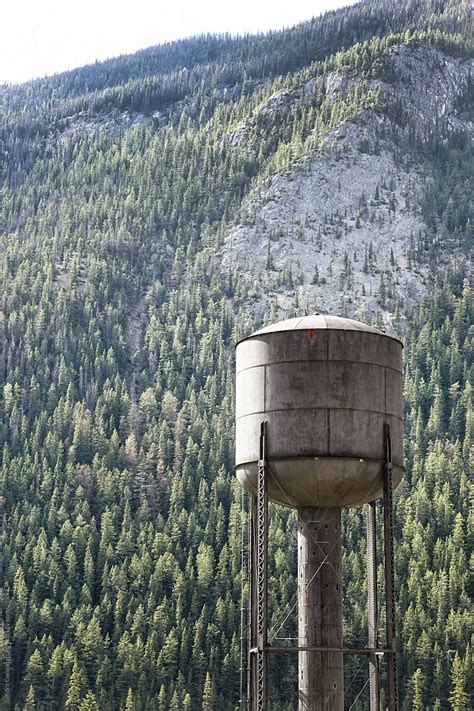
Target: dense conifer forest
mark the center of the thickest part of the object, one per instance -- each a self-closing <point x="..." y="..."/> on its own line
<point x="120" y="574"/>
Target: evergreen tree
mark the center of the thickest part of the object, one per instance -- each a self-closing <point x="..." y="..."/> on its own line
<point x="458" y="697"/>
<point x="75" y="688"/>
<point x="89" y="703"/>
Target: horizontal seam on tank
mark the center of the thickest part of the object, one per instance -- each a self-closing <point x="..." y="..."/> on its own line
<point x="318" y="360"/>
<point x="319" y="409"/>
<point x="316" y="456"/>
<point x="260" y="334"/>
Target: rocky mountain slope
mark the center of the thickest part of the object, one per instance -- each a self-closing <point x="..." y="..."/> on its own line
<point x="336" y="231"/>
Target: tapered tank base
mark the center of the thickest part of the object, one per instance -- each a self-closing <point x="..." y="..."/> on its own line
<point x="320" y="674"/>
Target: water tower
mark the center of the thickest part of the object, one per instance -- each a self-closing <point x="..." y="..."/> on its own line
<point x="319" y="428"/>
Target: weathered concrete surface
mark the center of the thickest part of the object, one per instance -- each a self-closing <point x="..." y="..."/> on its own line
<point x="320" y="674"/>
<point x="326" y="386"/>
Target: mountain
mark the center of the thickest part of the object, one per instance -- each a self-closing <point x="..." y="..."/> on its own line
<point x="153" y="209"/>
<point x="343" y="220"/>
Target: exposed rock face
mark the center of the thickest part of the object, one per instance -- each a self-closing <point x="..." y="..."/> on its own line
<point x="323" y="216"/>
<point x="429" y="84"/>
<point x="338" y="229"/>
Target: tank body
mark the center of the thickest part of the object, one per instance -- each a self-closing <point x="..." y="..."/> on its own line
<point x="325" y="386"/>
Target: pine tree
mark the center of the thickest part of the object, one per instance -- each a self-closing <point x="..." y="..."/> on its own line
<point x="75" y="688"/>
<point x="35" y="669"/>
<point x="130" y="703"/>
<point x="208" y="694"/>
<point x="30" y="701"/>
<point x="417" y="691"/>
<point x="458" y="697"/>
<point x="89" y="702"/>
<point x="382" y="291"/>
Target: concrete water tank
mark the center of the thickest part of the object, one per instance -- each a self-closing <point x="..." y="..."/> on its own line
<point x="325" y="386"/>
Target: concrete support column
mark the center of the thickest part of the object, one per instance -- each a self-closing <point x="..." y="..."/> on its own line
<point x="320" y="674"/>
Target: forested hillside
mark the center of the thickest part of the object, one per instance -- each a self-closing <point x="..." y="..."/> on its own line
<point x="144" y="226"/>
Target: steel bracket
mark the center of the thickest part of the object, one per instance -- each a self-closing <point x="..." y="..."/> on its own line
<point x="259" y="586"/>
<point x="388" y="528"/>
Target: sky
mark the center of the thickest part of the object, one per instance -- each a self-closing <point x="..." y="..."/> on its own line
<point x="42" y="37"/>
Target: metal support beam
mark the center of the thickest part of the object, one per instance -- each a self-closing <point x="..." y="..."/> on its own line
<point x="253" y="605"/>
<point x="341" y="650"/>
<point x="372" y="605"/>
<point x="259" y="586"/>
<point x="389" y="573"/>
<point x="250" y="600"/>
<point x="258" y="648"/>
<point x="243" y="579"/>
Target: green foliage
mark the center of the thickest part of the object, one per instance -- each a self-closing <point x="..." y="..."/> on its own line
<point x="121" y="518"/>
<point x="458" y="697"/>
